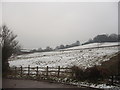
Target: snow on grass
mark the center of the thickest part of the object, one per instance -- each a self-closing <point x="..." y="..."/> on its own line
<point x="82" y="58"/>
<point x="86" y="84"/>
<point x="91" y="45"/>
<point x="102" y="86"/>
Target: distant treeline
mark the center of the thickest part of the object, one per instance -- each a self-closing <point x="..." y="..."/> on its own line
<point x="97" y="39"/>
<point x="104" y="38"/>
<point x="77" y="43"/>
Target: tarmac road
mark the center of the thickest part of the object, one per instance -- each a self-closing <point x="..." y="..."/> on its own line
<point x="10" y="83"/>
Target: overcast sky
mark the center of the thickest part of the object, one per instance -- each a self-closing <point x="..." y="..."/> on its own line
<point x="44" y="24"/>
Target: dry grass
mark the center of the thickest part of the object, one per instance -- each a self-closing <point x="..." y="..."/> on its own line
<point x="113" y="65"/>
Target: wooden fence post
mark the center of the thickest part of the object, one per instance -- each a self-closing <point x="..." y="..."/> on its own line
<point x="15" y="71"/>
<point x="37" y="71"/>
<point x="72" y="73"/>
<point x="112" y="78"/>
<point x="28" y="70"/>
<point x="58" y="70"/>
<point x="47" y="71"/>
<point x="21" y="71"/>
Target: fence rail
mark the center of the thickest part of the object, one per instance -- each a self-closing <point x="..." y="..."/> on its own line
<point x="46" y="71"/>
<point x="52" y="72"/>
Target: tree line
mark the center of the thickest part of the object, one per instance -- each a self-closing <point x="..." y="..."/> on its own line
<point x="48" y="48"/>
<point x="104" y="38"/>
<point x="97" y="39"/>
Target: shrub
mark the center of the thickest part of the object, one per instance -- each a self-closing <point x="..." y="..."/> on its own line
<point x="96" y="73"/>
<point x="78" y="73"/>
<point x="104" y="72"/>
<point x="92" y="74"/>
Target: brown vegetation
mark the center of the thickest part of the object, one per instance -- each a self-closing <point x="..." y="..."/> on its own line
<point x="113" y="64"/>
<point x="99" y="73"/>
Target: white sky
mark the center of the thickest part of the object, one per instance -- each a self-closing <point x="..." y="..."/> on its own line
<point x="60" y="0"/>
<point x="44" y="24"/>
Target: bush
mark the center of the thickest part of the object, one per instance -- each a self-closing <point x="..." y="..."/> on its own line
<point x="96" y="73"/>
<point x="113" y="64"/>
<point x="92" y="74"/>
<point x="104" y="72"/>
<point x="78" y="73"/>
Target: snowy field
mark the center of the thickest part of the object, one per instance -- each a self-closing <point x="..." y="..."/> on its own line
<point x="92" y="45"/>
<point x="83" y="57"/>
<point x="79" y="56"/>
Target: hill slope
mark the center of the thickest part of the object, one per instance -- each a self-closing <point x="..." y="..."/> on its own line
<point x="113" y="64"/>
<point x="81" y="57"/>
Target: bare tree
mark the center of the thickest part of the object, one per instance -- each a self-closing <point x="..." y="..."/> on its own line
<point x="9" y="46"/>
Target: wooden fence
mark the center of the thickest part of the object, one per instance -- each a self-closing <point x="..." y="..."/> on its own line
<point x="42" y="71"/>
<point x="115" y="80"/>
<point x="52" y="72"/>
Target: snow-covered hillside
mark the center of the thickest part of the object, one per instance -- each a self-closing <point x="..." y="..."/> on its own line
<point x="82" y="58"/>
<point x="92" y="45"/>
